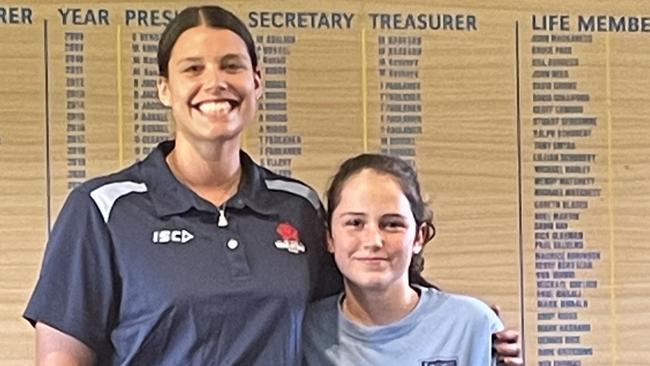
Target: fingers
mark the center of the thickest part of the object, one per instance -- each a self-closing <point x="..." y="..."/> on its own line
<point x="510" y="361"/>
<point x="507" y="348"/>
<point x="506" y="345"/>
<point x="506" y="336"/>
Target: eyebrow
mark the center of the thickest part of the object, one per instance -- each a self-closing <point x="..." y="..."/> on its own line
<point x="225" y="58"/>
<point x="230" y="56"/>
<point x="388" y="215"/>
<point x="394" y="215"/>
<point x="352" y="213"/>
<point x="189" y="59"/>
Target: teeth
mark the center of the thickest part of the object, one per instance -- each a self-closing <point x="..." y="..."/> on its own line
<point x="215" y="107"/>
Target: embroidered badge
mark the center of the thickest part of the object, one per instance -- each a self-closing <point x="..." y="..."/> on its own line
<point x="439" y="363"/>
<point x="290" y="238"/>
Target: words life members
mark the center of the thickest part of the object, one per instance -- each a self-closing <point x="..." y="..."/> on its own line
<point x="590" y="23"/>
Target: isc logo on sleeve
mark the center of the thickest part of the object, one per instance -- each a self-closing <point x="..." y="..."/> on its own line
<point x="172" y="236"/>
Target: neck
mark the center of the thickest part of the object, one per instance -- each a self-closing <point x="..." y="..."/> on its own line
<point x="378" y="307"/>
<point x="213" y="172"/>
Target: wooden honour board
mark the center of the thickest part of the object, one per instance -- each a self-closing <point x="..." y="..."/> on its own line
<point x="528" y="122"/>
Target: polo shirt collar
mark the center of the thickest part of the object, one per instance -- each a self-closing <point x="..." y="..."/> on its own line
<point x="171" y="197"/>
<point x="252" y="191"/>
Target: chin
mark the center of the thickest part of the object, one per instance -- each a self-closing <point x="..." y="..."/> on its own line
<point x="372" y="284"/>
<point x="222" y="134"/>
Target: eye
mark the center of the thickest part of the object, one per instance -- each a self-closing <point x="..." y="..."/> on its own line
<point x="356" y="223"/>
<point x="192" y="69"/>
<point x="233" y="66"/>
<point x="393" y="224"/>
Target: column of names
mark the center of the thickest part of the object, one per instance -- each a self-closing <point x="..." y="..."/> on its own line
<point x="564" y="186"/>
<point x="75" y="114"/>
<point x="400" y="97"/>
<point x="150" y="122"/>
<point x="277" y="145"/>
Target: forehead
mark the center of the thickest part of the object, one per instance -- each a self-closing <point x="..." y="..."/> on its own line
<point x="204" y="39"/>
<point x="371" y="185"/>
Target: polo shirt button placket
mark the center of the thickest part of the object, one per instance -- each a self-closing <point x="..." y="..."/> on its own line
<point x="237" y="260"/>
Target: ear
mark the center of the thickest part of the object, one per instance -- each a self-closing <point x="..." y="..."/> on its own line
<point x="257" y="79"/>
<point x="164" y="93"/>
<point x="420" y="238"/>
<point x="330" y="243"/>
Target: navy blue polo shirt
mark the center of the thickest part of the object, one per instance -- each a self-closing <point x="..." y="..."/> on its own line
<point x="138" y="268"/>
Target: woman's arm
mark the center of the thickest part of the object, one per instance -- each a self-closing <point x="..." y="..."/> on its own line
<point x="54" y="347"/>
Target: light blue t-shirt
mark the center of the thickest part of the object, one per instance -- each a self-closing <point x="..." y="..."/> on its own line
<point x="442" y="330"/>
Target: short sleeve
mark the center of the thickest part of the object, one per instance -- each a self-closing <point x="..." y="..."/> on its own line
<point x="328" y="280"/>
<point x="76" y="289"/>
<point x="496" y="324"/>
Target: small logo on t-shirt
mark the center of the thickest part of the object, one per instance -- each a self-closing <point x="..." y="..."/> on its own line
<point x="290" y="238"/>
<point x="181" y="236"/>
<point x="439" y="363"/>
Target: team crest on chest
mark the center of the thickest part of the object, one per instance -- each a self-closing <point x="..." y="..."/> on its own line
<point x="289" y="238"/>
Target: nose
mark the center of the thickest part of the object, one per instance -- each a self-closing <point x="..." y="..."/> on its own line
<point x="214" y="79"/>
<point x="372" y="238"/>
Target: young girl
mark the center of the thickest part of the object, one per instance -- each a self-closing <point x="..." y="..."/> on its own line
<point x="387" y="314"/>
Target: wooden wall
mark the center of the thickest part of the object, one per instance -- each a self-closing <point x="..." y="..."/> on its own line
<point x="528" y="121"/>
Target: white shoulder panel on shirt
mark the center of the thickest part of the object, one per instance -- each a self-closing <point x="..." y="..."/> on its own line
<point x="295" y="188"/>
<point x="106" y="195"/>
